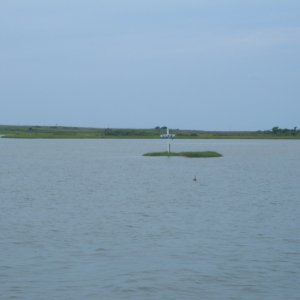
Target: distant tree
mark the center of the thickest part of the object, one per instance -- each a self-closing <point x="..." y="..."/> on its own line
<point x="294" y="131"/>
<point x="275" y="130"/>
<point x="107" y="131"/>
<point x="285" y="131"/>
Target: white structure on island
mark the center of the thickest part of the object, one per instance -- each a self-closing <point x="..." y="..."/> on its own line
<point x="169" y="136"/>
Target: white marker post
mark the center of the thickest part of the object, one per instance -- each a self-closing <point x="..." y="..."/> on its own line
<point x="169" y="137"/>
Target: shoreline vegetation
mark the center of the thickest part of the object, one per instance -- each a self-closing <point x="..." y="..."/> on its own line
<point x="62" y="132"/>
<point x="193" y="154"/>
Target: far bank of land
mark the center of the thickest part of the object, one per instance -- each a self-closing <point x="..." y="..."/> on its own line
<point x="56" y="132"/>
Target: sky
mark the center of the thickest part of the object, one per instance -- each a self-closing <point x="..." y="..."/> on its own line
<point x="188" y="64"/>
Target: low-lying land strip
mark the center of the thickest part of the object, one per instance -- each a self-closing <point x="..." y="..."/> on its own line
<point x="191" y="154"/>
<point x="56" y="132"/>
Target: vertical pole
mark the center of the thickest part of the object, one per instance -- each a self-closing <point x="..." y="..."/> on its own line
<point x="169" y="147"/>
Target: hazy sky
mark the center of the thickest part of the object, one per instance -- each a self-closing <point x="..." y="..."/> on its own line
<point x="195" y="64"/>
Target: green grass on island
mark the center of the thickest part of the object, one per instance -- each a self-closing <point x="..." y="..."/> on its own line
<point x="191" y="154"/>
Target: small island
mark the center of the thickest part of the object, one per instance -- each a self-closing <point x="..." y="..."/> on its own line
<point x="190" y="154"/>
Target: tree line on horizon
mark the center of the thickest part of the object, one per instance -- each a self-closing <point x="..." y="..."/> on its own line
<point x="62" y="131"/>
<point x="282" y="131"/>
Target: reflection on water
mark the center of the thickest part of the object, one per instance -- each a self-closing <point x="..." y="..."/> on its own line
<point x="93" y="219"/>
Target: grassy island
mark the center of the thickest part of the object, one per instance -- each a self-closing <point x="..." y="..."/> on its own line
<point x="193" y="154"/>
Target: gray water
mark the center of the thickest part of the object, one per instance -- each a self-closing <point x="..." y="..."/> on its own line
<point x="94" y="219"/>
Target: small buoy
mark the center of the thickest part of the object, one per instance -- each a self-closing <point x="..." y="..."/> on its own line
<point x="195" y="178"/>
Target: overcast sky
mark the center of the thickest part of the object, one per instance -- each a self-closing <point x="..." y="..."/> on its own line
<point x="190" y="64"/>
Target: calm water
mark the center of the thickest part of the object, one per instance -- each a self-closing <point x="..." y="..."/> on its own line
<point x="93" y="219"/>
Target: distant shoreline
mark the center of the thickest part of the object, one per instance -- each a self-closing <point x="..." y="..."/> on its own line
<point x="63" y="132"/>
